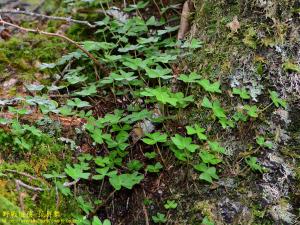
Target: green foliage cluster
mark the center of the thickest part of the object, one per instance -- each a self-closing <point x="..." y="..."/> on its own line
<point x="23" y="138"/>
<point x="139" y="55"/>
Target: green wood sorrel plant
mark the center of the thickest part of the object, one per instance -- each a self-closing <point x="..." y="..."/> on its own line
<point x="130" y="104"/>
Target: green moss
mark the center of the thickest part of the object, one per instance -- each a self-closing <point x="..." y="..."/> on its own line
<point x="51" y="6"/>
<point x="46" y="159"/>
<point x="249" y="39"/>
<point x="222" y="47"/>
<point x="21" y="55"/>
<point x="206" y="208"/>
<point x="44" y="201"/>
<point x="22" y="165"/>
<point x="6" y="207"/>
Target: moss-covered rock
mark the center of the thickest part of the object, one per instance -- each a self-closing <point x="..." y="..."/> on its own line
<point x="260" y="53"/>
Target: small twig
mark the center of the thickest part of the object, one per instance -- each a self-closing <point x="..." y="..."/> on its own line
<point x="96" y="72"/>
<point x="67" y="19"/>
<point x="2" y="22"/>
<point x="266" y="107"/>
<point x="161" y="156"/>
<point x="21" y="196"/>
<point x="68" y="66"/>
<point x="158" y="9"/>
<point x="146" y="215"/>
<point x="23" y="174"/>
<point x="138" y="11"/>
<point x="63" y="72"/>
<point x="145" y="210"/>
<point x="21" y="183"/>
<point x="69" y="184"/>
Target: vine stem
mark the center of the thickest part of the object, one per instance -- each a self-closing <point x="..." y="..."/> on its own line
<point x="37" y="31"/>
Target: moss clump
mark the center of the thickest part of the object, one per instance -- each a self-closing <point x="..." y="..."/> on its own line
<point x="6" y="207"/>
<point x="206" y="208"/>
<point x="44" y="158"/>
<point x="223" y="48"/>
<point x="21" y="55"/>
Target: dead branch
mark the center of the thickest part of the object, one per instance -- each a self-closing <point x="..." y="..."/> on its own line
<point x="22" y="184"/>
<point x="27" y="30"/>
<point x="66" y="19"/>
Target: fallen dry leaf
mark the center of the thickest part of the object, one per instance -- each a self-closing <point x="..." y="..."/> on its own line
<point x="234" y="25"/>
<point x="140" y="129"/>
<point x="5" y="34"/>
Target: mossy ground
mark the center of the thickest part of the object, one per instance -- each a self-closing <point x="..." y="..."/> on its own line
<point x="20" y="57"/>
<point x="250" y="50"/>
<point x="223" y="53"/>
<point x="44" y="158"/>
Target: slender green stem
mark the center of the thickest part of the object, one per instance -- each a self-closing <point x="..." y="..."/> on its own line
<point x="187" y="89"/>
<point x="161" y="157"/>
<point x="266" y="107"/>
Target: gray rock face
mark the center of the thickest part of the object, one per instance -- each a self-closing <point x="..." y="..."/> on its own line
<point x="282" y="213"/>
<point x="275" y="182"/>
<point x="248" y="79"/>
<point x="233" y="212"/>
